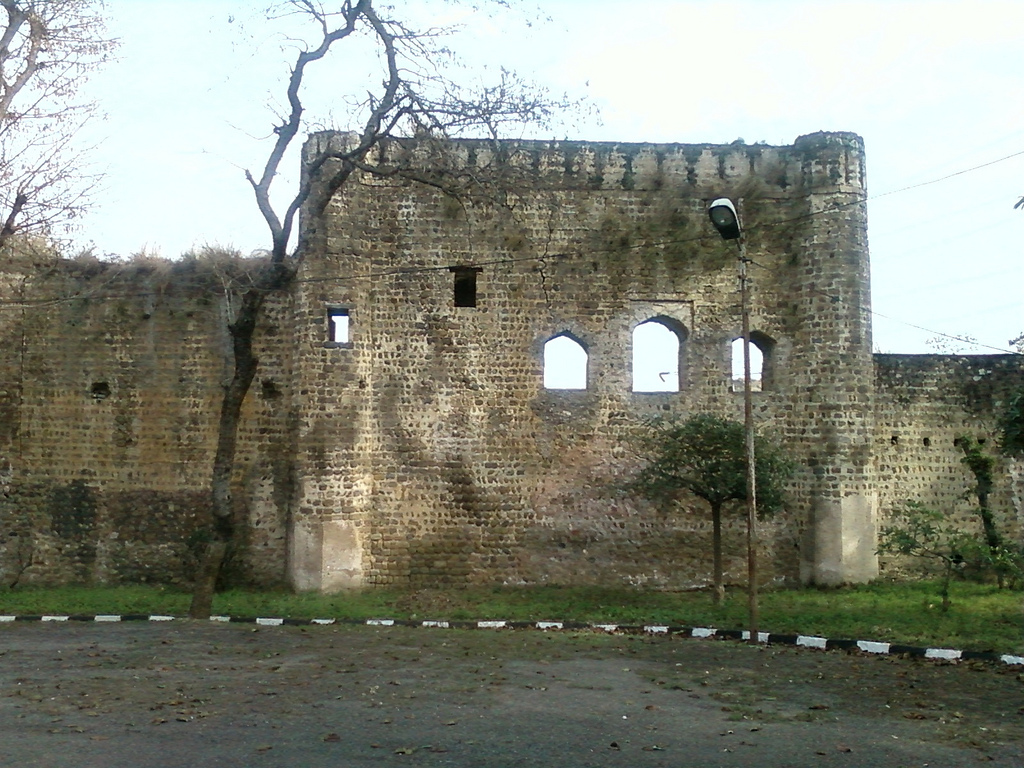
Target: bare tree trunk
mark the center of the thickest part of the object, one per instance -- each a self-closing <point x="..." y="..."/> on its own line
<point x="716" y="544"/>
<point x="25" y="556"/>
<point x="399" y="109"/>
<point x="206" y="580"/>
<point x="222" y="507"/>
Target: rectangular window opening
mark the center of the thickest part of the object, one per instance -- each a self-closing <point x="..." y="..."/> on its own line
<point x="337" y="326"/>
<point x="465" y="285"/>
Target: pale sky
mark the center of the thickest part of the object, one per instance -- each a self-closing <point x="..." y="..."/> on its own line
<point x="933" y="87"/>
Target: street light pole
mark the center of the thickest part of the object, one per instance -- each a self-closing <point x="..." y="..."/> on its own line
<point x="748" y="430"/>
<point x="726" y="220"/>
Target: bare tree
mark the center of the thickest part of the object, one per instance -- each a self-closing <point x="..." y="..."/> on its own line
<point x="416" y="98"/>
<point x="47" y="47"/>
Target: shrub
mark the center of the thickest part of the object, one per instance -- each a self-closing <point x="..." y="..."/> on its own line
<point x="939" y="545"/>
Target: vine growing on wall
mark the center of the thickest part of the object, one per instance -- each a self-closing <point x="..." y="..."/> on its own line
<point x="1011" y="426"/>
<point x="1005" y="559"/>
<point x="981" y="464"/>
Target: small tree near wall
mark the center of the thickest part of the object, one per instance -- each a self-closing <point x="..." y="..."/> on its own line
<point x="706" y="456"/>
<point x="923" y="533"/>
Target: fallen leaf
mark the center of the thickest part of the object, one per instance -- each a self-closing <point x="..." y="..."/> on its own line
<point x="653" y="748"/>
<point x="818" y="706"/>
<point x="844" y="748"/>
<point x="405" y="751"/>
<point x="264" y="748"/>
<point x="332" y="737"/>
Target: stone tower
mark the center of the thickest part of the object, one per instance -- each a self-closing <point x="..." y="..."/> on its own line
<point x="430" y="451"/>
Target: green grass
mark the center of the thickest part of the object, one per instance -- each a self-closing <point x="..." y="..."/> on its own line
<point x="982" y="617"/>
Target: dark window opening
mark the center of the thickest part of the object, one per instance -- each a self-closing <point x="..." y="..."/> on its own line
<point x="100" y="390"/>
<point x="927" y="442"/>
<point x="894" y="440"/>
<point x="465" y="285"/>
<point x="270" y="390"/>
<point x="337" y="326"/>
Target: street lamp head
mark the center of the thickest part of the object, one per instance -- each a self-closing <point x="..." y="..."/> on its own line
<point x="724" y="218"/>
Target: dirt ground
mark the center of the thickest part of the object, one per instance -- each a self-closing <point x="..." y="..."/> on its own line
<point x="207" y="694"/>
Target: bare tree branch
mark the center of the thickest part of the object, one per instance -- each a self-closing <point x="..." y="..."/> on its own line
<point x="47" y="48"/>
<point x="286" y="131"/>
<point x="415" y="99"/>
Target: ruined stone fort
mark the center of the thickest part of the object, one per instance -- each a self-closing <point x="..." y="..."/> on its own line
<point x="408" y="425"/>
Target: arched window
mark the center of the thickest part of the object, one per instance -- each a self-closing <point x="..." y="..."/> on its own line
<point x="565" y="363"/>
<point x="657" y="345"/>
<point x="760" y="362"/>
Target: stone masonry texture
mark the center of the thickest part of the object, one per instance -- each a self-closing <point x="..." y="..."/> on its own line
<point x="424" y="449"/>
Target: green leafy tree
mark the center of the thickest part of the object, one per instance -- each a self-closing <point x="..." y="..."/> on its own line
<point x="706" y="456"/>
<point x="918" y="531"/>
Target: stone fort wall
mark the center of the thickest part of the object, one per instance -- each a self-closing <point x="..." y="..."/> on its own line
<point x="423" y="449"/>
<point x="110" y="379"/>
<point x="925" y="405"/>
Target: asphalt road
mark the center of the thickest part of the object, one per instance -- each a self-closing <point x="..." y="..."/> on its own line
<point x="203" y="694"/>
